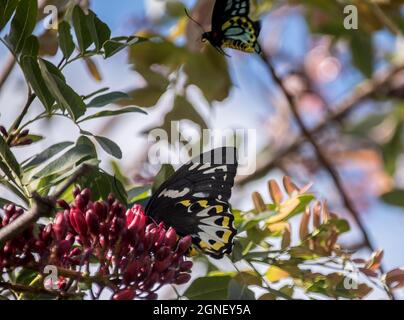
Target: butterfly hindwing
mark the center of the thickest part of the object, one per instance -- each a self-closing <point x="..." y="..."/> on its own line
<point x="194" y="200"/>
<point x="241" y="33"/>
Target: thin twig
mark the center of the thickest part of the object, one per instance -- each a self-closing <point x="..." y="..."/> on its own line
<point x="325" y="162"/>
<point x="17" y="122"/>
<point x="42" y="206"/>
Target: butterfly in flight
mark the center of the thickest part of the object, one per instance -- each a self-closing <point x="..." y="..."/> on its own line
<point x="232" y="28"/>
<point x="194" y="201"/>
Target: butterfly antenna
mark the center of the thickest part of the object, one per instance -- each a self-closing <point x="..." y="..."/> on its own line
<point x="193" y="20"/>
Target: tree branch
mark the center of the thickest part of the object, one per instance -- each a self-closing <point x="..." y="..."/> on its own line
<point x="362" y="92"/>
<point x="325" y="162"/>
<point x="42" y="206"/>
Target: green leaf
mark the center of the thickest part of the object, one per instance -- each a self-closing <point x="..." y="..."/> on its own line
<point x="46" y="154"/>
<point x="99" y="31"/>
<point x="86" y="141"/>
<point x="34" y="137"/>
<point x="67" y="160"/>
<point x="31" y="47"/>
<point x="15" y="190"/>
<point x="3" y="202"/>
<point x="136" y="192"/>
<point x="65" y="39"/>
<point x="362" y="52"/>
<point x="102" y="184"/>
<point x="80" y="24"/>
<point x="108" y="113"/>
<point x="33" y="74"/>
<point x="7" y="8"/>
<point x="66" y="97"/>
<point x="395" y="197"/>
<point x="23" y="24"/>
<point x="165" y="172"/>
<point x="109" y="146"/>
<point x="8" y="157"/>
<point x="239" y="291"/>
<point x="114" y="45"/>
<point x="107" y="98"/>
<point x="209" y="288"/>
<point x="25" y="276"/>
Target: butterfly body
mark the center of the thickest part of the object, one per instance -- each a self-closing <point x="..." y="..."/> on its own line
<point x="194" y="201"/>
<point x="232" y="28"/>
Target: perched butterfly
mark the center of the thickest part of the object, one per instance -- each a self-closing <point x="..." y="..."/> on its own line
<point x="232" y="28"/>
<point x="194" y="201"/>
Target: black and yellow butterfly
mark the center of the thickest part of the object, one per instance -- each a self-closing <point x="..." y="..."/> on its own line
<point x="194" y="201"/>
<point x="232" y="28"/>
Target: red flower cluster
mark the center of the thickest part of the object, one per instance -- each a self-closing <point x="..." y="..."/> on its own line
<point x="135" y="255"/>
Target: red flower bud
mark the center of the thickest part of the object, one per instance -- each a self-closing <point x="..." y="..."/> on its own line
<point x="170" y="238"/>
<point x="111" y="199"/>
<point x="3" y="131"/>
<point x="76" y="192"/>
<point x="163" y="253"/>
<point x="80" y="202"/>
<point x="184" y="244"/>
<point x="75" y="252"/>
<point x="25" y="142"/>
<point x="63" y="204"/>
<point x="86" y="195"/>
<point x="127" y="294"/>
<point x="186" y="265"/>
<point x="152" y="296"/>
<point x="46" y="233"/>
<point x="168" y="276"/>
<point x="161" y="266"/>
<point x="79" y="225"/>
<point x="100" y="210"/>
<point x="182" y="278"/>
<point x="60" y="226"/>
<point x="93" y="222"/>
<point x="160" y="237"/>
<point x="131" y="272"/>
<point x="63" y="247"/>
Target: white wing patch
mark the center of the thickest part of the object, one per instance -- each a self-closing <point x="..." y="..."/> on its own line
<point x="174" y="193"/>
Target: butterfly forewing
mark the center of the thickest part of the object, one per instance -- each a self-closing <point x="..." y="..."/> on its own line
<point x="226" y="9"/>
<point x="195" y="200"/>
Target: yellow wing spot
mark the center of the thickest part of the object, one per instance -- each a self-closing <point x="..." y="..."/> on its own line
<point x="226" y="236"/>
<point x="192" y="251"/>
<point x="185" y="203"/>
<point x="203" y="203"/>
<point x="217" y="246"/>
<point x="219" y="209"/>
<point x="225" y="222"/>
<point x="203" y="244"/>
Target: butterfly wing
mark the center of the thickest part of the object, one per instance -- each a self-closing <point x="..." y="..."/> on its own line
<point x="242" y="34"/>
<point x="226" y="9"/>
<point x="194" y="201"/>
